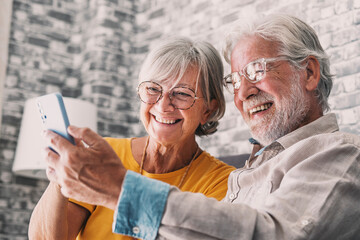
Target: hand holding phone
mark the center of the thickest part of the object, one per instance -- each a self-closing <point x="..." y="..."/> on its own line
<point x="53" y="114"/>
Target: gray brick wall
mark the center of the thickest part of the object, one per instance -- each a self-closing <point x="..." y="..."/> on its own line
<point x="336" y="22"/>
<point x="80" y="48"/>
<point x="92" y="49"/>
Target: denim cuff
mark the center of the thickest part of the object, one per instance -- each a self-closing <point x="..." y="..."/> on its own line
<point x="141" y="206"/>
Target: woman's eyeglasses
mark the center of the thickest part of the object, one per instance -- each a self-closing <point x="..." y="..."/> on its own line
<point x="180" y="97"/>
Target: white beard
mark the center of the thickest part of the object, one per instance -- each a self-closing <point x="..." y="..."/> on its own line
<point x="288" y="115"/>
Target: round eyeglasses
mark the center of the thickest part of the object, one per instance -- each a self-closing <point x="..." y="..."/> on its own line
<point x="181" y="98"/>
<point x="253" y="72"/>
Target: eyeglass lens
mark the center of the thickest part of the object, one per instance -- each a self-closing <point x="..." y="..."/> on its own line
<point x="253" y="72"/>
<point x="180" y="97"/>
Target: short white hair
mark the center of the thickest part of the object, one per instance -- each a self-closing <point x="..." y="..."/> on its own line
<point x="296" y="40"/>
<point x="172" y="58"/>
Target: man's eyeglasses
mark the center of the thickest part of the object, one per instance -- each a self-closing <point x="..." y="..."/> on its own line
<point x="181" y="98"/>
<point x="253" y="72"/>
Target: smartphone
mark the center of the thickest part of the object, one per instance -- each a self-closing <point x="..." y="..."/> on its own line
<point x="53" y="114"/>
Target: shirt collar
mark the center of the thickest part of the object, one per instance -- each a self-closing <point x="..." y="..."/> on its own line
<point x="324" y="124"/>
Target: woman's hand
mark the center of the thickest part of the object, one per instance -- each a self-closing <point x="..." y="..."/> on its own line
<point x="91" y="174"/>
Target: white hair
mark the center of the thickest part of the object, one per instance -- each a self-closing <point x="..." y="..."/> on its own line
<point x="171" y="59"/>
<point x="296" y="40"/>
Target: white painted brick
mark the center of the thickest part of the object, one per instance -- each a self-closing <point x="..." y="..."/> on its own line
<point x="342" y="6"/>
<point x="3" y="203"/>
<point x="357" y="17"/>
<point x="356" y="4"/>
<point x="104" y="12"/>
<point x="60" y="25"/>
<point x="357" y="77"/>
<point x="123" y="70"/>
<point x="77" y="60"/>
<point x="76" y="38"/>
<point x="72" y="82"/>
<point x="15" y="60"/>
<point x="11" y="81"/>
<point x="325" y="41"/>
<point x="5" y="177"/>
<point x="348" y="116"/>
<point x="8" y="154"/>
<point x="10" y="130"/>
<point x="52" y="88"/>
<point x="348" y="83"/>
<point x="118" y="91"/>
<point x="38" y="9"/>
<point x="327" y="12"/>
<point x="58" y="47"/>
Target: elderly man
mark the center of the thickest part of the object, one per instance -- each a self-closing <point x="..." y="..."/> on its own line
<point x="301" y="181"/>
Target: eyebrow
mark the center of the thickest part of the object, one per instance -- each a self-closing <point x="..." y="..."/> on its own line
<point x="183" y="85"/>
<point x="160" y="82"/>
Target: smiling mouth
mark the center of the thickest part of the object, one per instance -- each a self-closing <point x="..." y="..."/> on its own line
<point x="166" y="121"/>
<point x="260" y="108"/>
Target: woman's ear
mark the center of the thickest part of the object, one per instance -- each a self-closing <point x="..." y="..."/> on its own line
<point x="312" y="73"/>
<point x="208" y="111"/>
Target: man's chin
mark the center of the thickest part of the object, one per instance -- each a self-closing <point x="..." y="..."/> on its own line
<point x="266" y="136"/>
<point x="263" y="140"/>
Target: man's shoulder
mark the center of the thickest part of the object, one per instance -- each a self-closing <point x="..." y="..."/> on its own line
<point x="337" y="141"/>
<point x="338" y="137"/>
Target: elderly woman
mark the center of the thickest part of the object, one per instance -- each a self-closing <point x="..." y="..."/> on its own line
<point x="181" y="96"/>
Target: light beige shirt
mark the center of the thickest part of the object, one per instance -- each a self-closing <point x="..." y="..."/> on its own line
<point x="306" y="185"/>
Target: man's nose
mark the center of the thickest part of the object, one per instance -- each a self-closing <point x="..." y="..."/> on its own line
<point x="246" y="89"/>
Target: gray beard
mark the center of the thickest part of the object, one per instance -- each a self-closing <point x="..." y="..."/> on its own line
<point x="289" y="114"/>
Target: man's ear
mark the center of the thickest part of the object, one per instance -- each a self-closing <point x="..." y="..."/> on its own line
<point x="208" y="111"/>
<point x="312" y="73"/>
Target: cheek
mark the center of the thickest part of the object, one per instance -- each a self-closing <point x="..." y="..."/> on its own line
<point x="144" y="113"/>
<point x="238" y="103"/>
<point x="193" y="115"/>
<point x="239" y="106"/>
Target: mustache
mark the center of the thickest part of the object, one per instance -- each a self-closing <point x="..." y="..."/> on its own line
<point x="257" y="99"/>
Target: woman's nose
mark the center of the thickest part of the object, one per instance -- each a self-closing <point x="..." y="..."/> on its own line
<point x="164" y="103"/>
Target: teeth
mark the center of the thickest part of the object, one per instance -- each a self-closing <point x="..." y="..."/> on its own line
<point x="165" y="121"/>
<point x="260" y="108"/>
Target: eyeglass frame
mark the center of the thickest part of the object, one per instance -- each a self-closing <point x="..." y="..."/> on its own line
<point x="170" y="96"/>
<point x="241" y="72"/>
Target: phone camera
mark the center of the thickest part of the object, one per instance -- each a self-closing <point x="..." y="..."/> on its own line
<point x="42" y="115"/>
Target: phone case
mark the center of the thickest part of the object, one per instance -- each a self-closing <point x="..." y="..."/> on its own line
<point x="53" y="114"/>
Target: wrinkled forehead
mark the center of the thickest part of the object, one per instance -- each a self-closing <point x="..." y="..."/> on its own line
<point x="250" y="48"/>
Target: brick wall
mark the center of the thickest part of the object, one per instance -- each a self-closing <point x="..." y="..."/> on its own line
<point x="80" y="48"/>
<point x="336" y="22"/>
<point x="92" y="49"/>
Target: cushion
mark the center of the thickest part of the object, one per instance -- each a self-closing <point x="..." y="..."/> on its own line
<point x="237" y="161"/>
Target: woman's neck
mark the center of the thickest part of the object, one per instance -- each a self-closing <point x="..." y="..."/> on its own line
<point x="161" y="158"/>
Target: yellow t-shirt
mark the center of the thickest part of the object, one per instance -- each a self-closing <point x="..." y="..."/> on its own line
<point x="206" y="175"/>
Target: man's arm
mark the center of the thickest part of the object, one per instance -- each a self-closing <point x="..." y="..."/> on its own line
<point x="164" y="212"/>
<point x="317" y="199"/>
<point x="140" y="222"/>
<point x="92" y="174"/>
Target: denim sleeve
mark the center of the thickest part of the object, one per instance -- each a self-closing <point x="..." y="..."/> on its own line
<point x="141" y="206"/>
